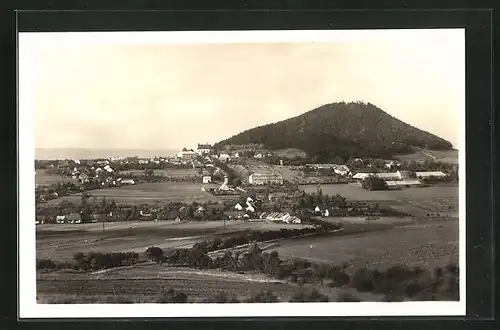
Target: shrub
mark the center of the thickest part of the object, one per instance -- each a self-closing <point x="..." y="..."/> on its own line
<point x="171" y="296"/>
<point x="313" y="296"/>
<point x="264" y="296"/>
<point x="45" y="264"/>
<point x="222" y="298"/>
<point x="362" y="281"/>
<point x="347" y="297"/>
<point x="155" y="253"/>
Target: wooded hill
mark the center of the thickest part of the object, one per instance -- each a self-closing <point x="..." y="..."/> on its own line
<point x="344" y="130"/>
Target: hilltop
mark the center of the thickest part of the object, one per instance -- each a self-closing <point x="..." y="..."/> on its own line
<point x="342" y="129"/>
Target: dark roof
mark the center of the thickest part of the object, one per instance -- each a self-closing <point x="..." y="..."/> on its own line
<point x="204" y="146"/>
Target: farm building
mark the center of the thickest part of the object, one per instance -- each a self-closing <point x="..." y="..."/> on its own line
<point x="342" y="170"/>
<point x="427" y="175"/>
<point x="321" y="166"/>
<point x="204" y="149"/>
<point x="361" y="176"/>
<point x="127" y="181"/>
<point x="207" y="179"/>
<point x="265" y="178"/>
<point x="391" y="184"/>
<point x="70" y="218"/>
<point x="388" y="176"/>
<point x="224" y="157"/>
<point x="188" y="154"/>
<point x="282" y="217"/>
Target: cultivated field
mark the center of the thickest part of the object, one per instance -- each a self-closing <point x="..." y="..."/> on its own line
<point x="414" y="245"/>
<point x="448" y="156"/>
<point x="42" y="178"/>
<point x="144" y="283"/>
<point x="173" y="173"/>
<point x="356" y="192"/>
<point x="153" y="192"/>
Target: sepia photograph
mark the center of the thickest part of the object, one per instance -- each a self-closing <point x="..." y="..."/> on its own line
<point x="280" y="173"/>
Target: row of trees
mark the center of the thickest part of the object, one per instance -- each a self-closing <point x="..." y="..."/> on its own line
<point x="396" y="283"/>
<point x="92" y="261"/>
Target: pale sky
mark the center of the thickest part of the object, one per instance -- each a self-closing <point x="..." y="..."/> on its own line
<point x="154" y="95"/>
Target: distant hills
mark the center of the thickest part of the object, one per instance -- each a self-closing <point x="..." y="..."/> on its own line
<point x="344" y="130"/>
<point x="85" y="153"/>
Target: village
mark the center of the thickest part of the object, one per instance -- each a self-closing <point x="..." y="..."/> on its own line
<point x="247" y="187"/>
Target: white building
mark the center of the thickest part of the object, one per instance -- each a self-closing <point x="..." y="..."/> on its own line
<point x="127" y="181"/>
<point x="282" y="217"/>
<point x="204" y="149"/>
<point x="342" y="170"/>
<point x="224" y="157"/>
<point x="265" y="178"/>
<point x="207" y="179"/>
<point x="189" y="154"/>
<point x="426" y="175"/>
<point x="238" y="207"/>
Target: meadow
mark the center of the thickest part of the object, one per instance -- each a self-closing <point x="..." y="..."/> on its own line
<point x="173" y="172"/>
<point x="425" y="245"/>
<point x="444" y="156"/>
<point x="42" y="178"/>
<point x="357" y="193"/>
<point x="61" y="242"/>
<point x="153" y="192"/>
<point x="145" y="284"/>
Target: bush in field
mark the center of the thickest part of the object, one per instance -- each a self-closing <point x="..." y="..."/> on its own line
<point x="155" y="253"/>
<point x="172" y="296"/>
<point x="45" y="264"/>
<point x="347" y="297"/>
<point x="97" y="261"/>
<point x="362" y="280"/>
<point x="313" y="296"/>
<point x="264" y="296"/>
<point x="222" y="298"/>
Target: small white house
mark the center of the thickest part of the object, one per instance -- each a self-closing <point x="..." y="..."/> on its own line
<point x="238" y="207"/>
<point x="224" y="157"/>
<point x="317" y="209"/>
<point x="207" y="179"/>
<point x="342" y="170"/>
<point x="127" y="181"/>
<point x="326" y="214"/>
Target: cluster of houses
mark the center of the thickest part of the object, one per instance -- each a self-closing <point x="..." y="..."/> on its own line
<point x="401" y="178"/>
<point x="338" y="169"/>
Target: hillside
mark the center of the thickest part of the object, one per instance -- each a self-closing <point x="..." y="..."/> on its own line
<point x="342" y="129"/>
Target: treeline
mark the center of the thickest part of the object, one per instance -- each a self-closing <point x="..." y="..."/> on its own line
<point x="92" y="261"/>
<point x="395" y="283"/>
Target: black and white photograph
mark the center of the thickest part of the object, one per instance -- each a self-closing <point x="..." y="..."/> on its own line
<point x="279" y="173"/>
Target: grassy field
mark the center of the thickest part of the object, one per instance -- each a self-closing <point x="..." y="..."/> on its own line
<point x="354" y="192"/>
<point x="144" y="283"/>
<point x="61" y="242"/>
<point x="448" y="156"/>
<point x="153" y="192"/>
<point x="414" y="245"/>
<point x="174" y="172"/>
<point x="42" y="178"/>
